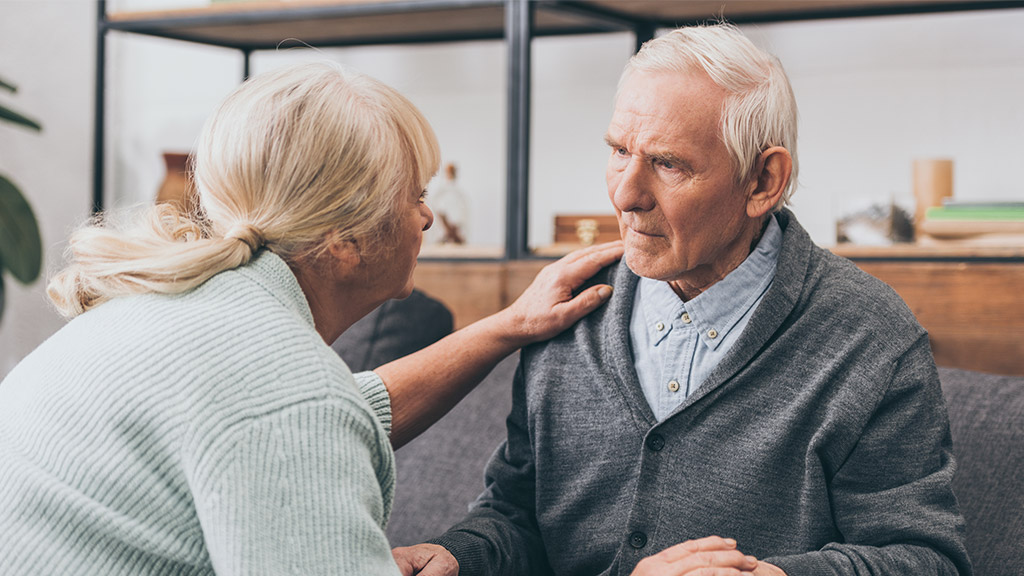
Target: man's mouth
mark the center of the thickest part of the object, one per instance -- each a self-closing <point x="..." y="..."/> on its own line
<point x="641" y="231"/>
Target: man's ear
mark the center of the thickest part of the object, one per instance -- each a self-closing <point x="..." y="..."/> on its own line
<point x="771" y="175"/>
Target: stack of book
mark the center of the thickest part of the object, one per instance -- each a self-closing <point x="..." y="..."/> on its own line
<point x="1001" y="221"/>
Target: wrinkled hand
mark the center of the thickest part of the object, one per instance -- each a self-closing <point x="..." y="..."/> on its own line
<point x="425" y="560"/>
<point x="711" y="556"/>
<point x="548" y="306"/>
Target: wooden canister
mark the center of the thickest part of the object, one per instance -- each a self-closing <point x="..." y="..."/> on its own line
<point x="933" y="181"/>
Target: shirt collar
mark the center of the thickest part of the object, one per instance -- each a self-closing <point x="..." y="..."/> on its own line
<point x="716" y="311"/>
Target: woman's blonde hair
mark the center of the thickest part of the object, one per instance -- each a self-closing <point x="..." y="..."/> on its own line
<point x="761" y="109"/>
<point x="293" y="159"/>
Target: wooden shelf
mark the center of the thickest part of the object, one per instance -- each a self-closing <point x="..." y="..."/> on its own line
<point x="932" y="251"/>
<point x="323" y="23"/>
<point x="677" y="13"/>
<point x="966" y="295"/>
<point x="264" y="25"/>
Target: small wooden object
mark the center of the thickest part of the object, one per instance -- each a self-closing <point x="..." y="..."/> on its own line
<point x="585" y="229"/>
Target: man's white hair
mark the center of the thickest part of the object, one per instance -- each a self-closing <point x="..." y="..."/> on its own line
<point x="761" y="109"/>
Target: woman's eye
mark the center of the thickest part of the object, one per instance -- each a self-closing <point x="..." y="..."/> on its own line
<point x="423" y="196"/>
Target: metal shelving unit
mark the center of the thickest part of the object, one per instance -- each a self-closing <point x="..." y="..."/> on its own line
<point x="250" y="27"/>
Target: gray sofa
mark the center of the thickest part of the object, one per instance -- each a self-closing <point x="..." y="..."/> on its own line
<point x="440" y="472"/>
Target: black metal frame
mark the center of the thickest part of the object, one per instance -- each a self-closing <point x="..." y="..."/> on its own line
<point x="518" y="25"/>
<point x="519" y="30"/>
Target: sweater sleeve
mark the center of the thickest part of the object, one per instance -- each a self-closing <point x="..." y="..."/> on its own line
<point x="892" y="499"/>
<point x="376" y="393"/>
<point x="297" y="491"/>
<point x="500" y="536"/>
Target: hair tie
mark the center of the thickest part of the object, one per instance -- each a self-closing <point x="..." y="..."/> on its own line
<point x="246" y="233"/>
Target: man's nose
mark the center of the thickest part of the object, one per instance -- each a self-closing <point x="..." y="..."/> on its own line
<point x="631" y="186"/>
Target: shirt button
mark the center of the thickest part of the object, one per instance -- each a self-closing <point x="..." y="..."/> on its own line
<point x="656" y="442"/>
<point x="660" y="326"/>
<point x="686" y="318"/>
<point x="712" y="333"/>
<point x="673" y="386"/>
<point x="638" y="539"/>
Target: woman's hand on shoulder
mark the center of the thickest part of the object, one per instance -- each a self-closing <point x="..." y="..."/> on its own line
<point x="550" y="305"/>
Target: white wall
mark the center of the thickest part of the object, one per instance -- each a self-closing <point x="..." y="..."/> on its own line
<point x="46" y="49"/>
<point x="874" y="94"/>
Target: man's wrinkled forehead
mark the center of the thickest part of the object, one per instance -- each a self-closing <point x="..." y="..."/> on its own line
<point x="660" y="104"/>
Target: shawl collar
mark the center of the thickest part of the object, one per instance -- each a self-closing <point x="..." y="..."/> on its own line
<point x="778" y="303"/>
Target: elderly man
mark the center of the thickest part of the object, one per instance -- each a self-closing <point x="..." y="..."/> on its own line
<point x="747" y="403"/>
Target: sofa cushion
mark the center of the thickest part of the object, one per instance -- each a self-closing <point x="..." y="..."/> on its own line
<point x="394" y="329"/>
<point x="986" y="418"/>
<point x="442" y="471"/>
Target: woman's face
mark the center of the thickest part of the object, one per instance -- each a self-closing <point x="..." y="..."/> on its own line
<point x="414" y="218"/>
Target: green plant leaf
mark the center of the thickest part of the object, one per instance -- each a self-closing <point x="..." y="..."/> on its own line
<point x="12" y="116"/>
<point x="21" y="248"/>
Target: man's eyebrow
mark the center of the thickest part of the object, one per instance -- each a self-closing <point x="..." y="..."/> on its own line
<point x="666" y="157"/>
<point x="611" y="141"/>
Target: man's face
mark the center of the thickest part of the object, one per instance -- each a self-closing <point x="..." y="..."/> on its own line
<point x="681" y="213"/>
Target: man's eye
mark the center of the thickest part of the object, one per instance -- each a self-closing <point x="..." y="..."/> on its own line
<point x="621" y="151"/>
<point x="665" y="164"/>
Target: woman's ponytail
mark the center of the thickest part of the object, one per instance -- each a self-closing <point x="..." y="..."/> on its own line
<point x="163" y="251"/>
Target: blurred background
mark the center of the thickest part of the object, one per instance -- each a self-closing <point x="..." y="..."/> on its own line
<point x="875" y="94"/>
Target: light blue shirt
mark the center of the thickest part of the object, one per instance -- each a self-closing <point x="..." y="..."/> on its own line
<point x="677" y="344"/>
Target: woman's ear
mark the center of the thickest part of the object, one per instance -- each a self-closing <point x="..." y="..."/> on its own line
<point x="771" y="175"/>
<point x="344" y="254"/>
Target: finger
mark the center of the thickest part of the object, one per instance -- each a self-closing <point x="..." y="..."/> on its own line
<point x="708" y="543"/>
<point x="600" y="251"/>
<point x="405" y="565"/>
<point x="587" y="262"/>
<point x="716" y="571"/>
<point x="720" y="560"/>
<point x="586" y="302"/>
<point x="440" y="565"/>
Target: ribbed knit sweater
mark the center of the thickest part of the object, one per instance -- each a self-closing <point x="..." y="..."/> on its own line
<point x="208" y="432"/>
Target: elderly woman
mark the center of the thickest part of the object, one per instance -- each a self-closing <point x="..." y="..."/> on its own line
<point x="191" y="418"/>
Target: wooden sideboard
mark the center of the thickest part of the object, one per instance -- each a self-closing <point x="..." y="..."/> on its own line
<point x="970" y="299"/>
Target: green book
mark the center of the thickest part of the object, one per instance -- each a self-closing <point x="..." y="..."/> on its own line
<point x="975" y="213"/>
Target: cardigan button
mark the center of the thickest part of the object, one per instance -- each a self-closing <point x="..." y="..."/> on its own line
<point x="638" y="539"/>
<point x="656" y="442"/>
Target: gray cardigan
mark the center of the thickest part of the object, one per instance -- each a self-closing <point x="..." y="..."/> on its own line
<point x="820" y="443"/>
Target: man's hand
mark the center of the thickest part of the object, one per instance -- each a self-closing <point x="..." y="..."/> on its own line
<point x="426" y="560"/>
<point x="548" y="306"/>
<point x="711" y="556"/>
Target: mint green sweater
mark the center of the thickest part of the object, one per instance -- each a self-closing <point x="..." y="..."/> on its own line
<point x="206" y="432"/>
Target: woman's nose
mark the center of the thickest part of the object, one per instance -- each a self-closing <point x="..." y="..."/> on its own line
<point x="428" y="215"/>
